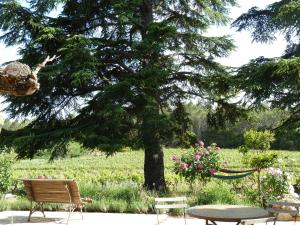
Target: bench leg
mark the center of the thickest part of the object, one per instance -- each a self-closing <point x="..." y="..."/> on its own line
<point x="184" y="214"/>
<point x="70" y="211"/>
<point x="42" y="209"/>
<point x="73" y="208"/>
<point x="31" y="211"/>
<point x="80" y="206"/>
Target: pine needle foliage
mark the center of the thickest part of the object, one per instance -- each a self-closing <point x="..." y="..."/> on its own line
<point x="123" y="65"/>
<point x="274" y="81"/>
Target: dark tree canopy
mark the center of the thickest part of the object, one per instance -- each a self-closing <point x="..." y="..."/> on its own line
<point x="123" y="66"/>
<point x="273" y="80"/>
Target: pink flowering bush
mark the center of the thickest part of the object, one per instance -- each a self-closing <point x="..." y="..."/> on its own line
<point x="199" y="162"/>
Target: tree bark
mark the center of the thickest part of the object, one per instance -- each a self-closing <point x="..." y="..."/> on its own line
<point x="154" y="169"/>
<point x="154" y="156"/>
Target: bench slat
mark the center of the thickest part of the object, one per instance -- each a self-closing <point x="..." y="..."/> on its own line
<point x="52" y="191"/>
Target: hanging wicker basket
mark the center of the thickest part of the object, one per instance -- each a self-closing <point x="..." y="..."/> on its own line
<point x="19" y="80"/>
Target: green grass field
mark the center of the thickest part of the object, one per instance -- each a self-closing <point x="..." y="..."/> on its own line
<point x="123" y="165"/>
<point x="115" y="183"/>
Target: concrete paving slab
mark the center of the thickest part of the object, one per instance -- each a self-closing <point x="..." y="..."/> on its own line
<point x="56" y="218"/>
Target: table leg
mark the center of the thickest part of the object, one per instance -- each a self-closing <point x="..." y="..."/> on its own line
<point x="212" y="222"/>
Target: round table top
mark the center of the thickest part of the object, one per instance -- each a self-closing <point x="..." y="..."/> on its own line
<point x="227" y="213"/>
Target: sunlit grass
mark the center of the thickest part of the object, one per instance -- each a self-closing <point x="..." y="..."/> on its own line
<point x="123" y="164"/>
<point x="115" y="183"/>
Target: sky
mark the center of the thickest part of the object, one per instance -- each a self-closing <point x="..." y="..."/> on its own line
<point x="245" y="48"/>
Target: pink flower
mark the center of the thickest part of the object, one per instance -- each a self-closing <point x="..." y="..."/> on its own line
<point x="208" y="148"/>
<point x="184" y="166"/>
<point x="174" y="158"/>
<point x="200" y="166"/>
<point x="201" y="143"/>
<point x="218" y="148"/>
<point x="212" y="171"/>
<point x="197" y="156"/>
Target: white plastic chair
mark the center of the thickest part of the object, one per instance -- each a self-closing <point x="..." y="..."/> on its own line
<point x="171" y="203"/>
<point x="261" y="220"/>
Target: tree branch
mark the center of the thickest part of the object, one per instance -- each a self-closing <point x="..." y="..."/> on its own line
<point x="43" y="64"/>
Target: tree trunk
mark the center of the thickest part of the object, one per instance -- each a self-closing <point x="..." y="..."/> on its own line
<point x="154" y="169"/>
<point x="154" y="156"/>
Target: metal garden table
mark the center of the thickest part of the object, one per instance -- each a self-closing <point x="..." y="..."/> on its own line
<point x="226" y="213"/>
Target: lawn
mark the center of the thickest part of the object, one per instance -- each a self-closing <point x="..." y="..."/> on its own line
<point x="115" y="183"/>
<point x="123" y="166"/>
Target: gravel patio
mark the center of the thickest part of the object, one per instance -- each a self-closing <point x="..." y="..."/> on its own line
<point x="20" y="218"/>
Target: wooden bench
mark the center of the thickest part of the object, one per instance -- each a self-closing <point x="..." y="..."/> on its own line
<point x="41" y="191"/>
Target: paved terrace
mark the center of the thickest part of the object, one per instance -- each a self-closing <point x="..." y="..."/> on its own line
<point x="55" y="218"/>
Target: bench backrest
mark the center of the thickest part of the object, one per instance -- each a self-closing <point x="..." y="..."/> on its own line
<point x="52" y="191"/>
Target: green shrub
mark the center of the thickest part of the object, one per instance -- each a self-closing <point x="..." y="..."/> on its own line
<point x="260" y="161"/>
<point x="117" y="197"/>
<point x="127" y="191"/>
<point x="217" y="194"/>
<point x="6" y="161"/>
<point x="260" y="140"/>
<point x="256" y="155"/>
<point x="275" y="183"/>
<point x="75" y="149"/>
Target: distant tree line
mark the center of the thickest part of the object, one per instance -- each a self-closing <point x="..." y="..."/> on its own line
<point x="231" y="136"/>
<point x="196" y="127"/>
